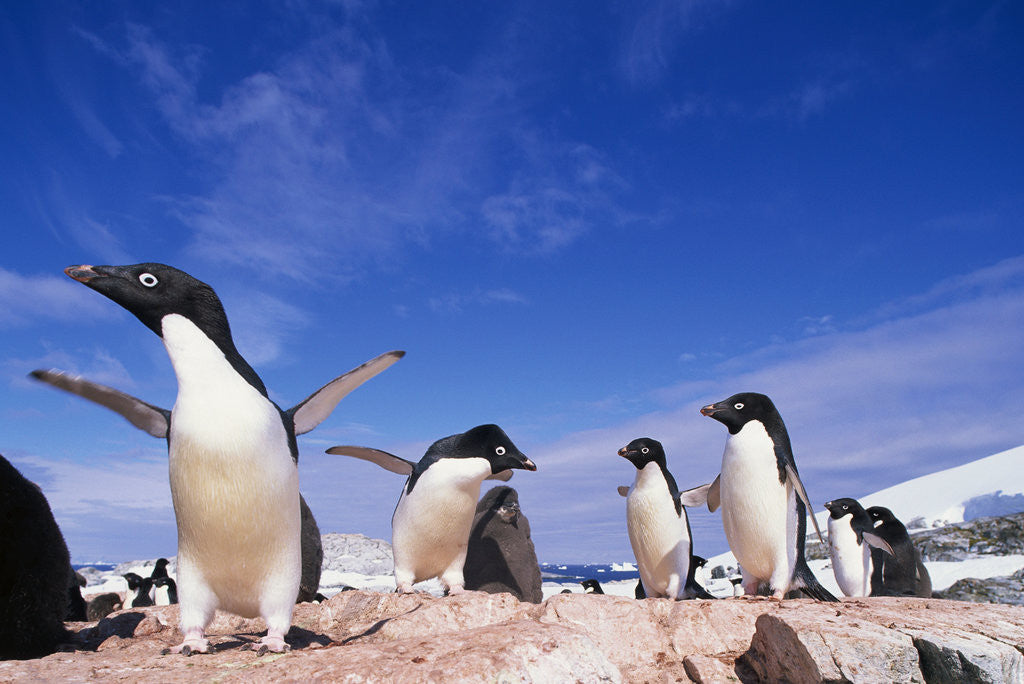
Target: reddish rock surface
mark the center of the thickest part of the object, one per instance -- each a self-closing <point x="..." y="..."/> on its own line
<point x="361" y="636"/>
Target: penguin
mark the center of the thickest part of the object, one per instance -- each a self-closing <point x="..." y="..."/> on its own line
<point x="896" y="573"/>
<point x="102" y="605"/>
<point x="851" y="538"/>
<point x="695" y="589"/>
<point x="165" y="591"/>
<point x="431" y="523"/>
<point x="659" y="530"/>
<point x="500" y="556"/>
<point x="764" y="504"/>
<point x="34" y="570"/>
<point x="737" y="585"/>
<point x="137" y="595"/>
<point x="160" y="569"/>
<point x="592" y="586"/>
<point x="232" y="452"/>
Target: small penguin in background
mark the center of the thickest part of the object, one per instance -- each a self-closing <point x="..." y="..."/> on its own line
<point x="659" y="530"/>
<point x="160" y="569"/>
<point x="500" y="556"/>
<point x="138" y="592"/>
<point x="897" y="573"/>
<point x="34" y="570"/>
<point x="431" y="524"/>
<point x="165" y="591"/>
<point x="592" y="586"/>
<point x="232" y="452"/>
<point x="764" y="504"/>
<point x="694" y="588"/>
<point x="102" y="605"/>
<point x="851" y="537"/>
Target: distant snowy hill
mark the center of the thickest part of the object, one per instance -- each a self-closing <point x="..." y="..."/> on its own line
<point x="990" y="486"/>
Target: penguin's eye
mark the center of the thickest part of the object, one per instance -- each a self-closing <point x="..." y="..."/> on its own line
<point x="148" y="280"/>
<point x="644" y="450"/>
<point x="845" y="507"/>
<point x="500" y="450"/>
<point x="739" y="406"/>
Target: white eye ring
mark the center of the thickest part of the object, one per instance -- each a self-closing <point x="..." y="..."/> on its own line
<point x="644" y="450"/>
<point x="500" y="450"/>
<point x="148" y="280"/>
<point x="739" y="406"/>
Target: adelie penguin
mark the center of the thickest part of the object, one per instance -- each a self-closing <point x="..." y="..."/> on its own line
<point x="232" y="452"/>
<point x="165" y="591"/>
<point x="656" y="520"/>
<point x="851" y="537"/>
<point x="139" y="588"/>
<point x="901" y="572"/>
<point x="431" y="524"/>
<point x="764" y="504"/>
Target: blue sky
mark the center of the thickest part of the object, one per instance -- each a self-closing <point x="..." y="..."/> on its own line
<point x="583" y="221"/>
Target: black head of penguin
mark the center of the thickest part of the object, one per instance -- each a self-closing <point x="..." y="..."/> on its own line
<point x="134" y="581"/>
<point x="881" y="514"/>
<point x="740" y="409"/>
<point x="152" y="291"/>
<point x="839" y="508"/>
<point x="645" y="450"/>
<point x="488" y="442"/>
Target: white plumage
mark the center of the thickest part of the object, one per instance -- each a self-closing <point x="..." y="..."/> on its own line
<point x="661" y="543"/>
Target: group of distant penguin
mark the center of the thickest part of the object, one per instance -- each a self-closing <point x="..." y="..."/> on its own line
<point x="248" y="543"/>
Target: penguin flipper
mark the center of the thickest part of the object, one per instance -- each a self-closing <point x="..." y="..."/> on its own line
<point x="715" y="494"/>
<point x="623" y="490"/>
<point x="312" y="410"/>
<point x="395" y="464"/>
<point x="802" y="493"/>
<point x="698" y="496"/>
<point x="150" y="419"/>
<point x="810" y="584"/>
<point x="877" y="542"/>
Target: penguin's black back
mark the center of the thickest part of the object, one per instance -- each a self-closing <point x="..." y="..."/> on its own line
<point x="34" y="570"/>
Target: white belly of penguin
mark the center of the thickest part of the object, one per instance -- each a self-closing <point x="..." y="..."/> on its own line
<point x="430" y="529"/>
<point x="658" y="536"/>
<point x="758" y="513"/>
<point x="851" y="562"/>
<point x="234" y="484"/>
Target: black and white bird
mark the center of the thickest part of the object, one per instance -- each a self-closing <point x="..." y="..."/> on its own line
<point x="764" y="504"/>
<point x="899" y="572"/>
<point x="851" y="537"/>
<point x="431" y="524"/>
<point x="657" y="524"/>
<point x="232" y="451"/>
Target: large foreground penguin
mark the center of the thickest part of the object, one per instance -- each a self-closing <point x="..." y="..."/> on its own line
<point x="431" y="525"/>
<point x="232" y="453"/>
<point x="764" y="504"/>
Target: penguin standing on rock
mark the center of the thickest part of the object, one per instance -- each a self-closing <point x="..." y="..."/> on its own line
<point x="165" y="591"/>
<point x="850" y="540"/>
<point x="431" y="524"/>
<point x="764" y="504"/>
<point x="899" y="572"/>
<point x="139" y="587"/>
<point x="232" y="453"/>
<point x="659" y="530"/>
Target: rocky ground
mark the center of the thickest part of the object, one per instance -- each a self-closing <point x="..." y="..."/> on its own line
<point x="361" y="636"/>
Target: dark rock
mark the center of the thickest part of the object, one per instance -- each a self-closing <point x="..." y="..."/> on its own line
<point x="992" y="590"/>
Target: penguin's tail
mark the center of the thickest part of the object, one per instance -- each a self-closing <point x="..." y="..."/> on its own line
<point x="810" y="584"/>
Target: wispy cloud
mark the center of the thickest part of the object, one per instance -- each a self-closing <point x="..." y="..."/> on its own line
<point x="262" y="324"/>
<point x="653" y="35"/>
<point x="458" y="301"/>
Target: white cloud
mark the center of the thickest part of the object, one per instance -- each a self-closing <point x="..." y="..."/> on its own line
<point x="457" y="302"/>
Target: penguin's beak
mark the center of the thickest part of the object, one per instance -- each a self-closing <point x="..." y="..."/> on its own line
<point x="528" y="464"/>
<point x="82" y="274"/>
<point x="710" y="409"/>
